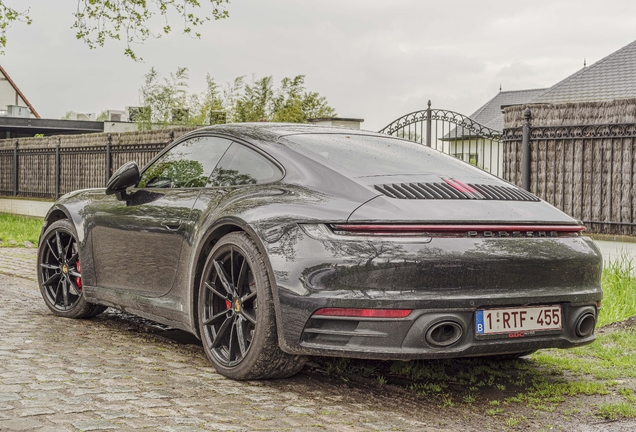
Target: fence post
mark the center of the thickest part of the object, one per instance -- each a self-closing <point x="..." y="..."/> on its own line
<point x="58" y="171"/>
<point x="109" y="158"/>
<point x="525" y="151"/>
<point x="16" y="173"/>
<point x="428" y="124"/>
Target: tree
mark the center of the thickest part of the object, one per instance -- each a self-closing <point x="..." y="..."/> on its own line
<point x="295" y="105"/>
<point x="256" y="102"/>
<point x="165" y="98"/>
<point x="97" y="21"/>
<point x="169" y="101"/>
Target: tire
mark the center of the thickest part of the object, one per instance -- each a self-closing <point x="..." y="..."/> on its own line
<point x="59" y="274"/>
<point x="236" y="314"/>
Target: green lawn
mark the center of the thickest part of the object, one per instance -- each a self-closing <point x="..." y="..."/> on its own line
<point x="15" y="230"/>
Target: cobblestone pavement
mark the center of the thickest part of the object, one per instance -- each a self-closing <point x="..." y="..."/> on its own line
<point x="66" y="375"/>
<point x="18" y="262"/>
<point x="120" y="372"/>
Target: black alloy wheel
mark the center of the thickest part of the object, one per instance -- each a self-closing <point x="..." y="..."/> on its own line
<point x="231" y="305"/>
<point x="236" y="313"/>
<point x="59" y="273"/>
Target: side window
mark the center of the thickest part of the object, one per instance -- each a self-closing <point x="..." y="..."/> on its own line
<point x="187" y="165"/>
<point x="241" y="166"/>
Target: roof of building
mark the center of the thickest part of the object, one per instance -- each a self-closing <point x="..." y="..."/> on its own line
<point x="17" y="90"/>
<point x="491" y="113"/>
<point x="27" y="127"/>
<point x="611" y="78"/>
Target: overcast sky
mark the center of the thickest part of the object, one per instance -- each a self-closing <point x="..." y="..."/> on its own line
<point x="372" y="59"/>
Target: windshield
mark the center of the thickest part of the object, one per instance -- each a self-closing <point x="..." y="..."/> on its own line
<point x="376" y="156"/>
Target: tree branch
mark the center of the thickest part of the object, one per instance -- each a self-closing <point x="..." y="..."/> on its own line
<point x="131" y="20"/>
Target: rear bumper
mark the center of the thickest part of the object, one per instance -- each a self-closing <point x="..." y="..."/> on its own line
<point x="405" y="338"/>
<point x="439" y="279"/>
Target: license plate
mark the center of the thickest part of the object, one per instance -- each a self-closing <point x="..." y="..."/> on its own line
<point x="511" y="320"/>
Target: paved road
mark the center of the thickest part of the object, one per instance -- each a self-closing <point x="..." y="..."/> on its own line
<point x="613" y="251"/>
<point x="67" y="375"/>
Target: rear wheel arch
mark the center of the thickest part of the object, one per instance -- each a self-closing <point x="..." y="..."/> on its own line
<point x="214" y="234"/>
<point x="239" y="337"/>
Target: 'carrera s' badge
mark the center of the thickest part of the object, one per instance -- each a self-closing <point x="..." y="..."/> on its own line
<point x="237" y="306"/>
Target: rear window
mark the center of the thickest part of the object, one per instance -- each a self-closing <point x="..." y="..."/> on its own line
<point x="373" y="156"/>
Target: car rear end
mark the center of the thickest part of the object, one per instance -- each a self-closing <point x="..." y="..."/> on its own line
<point x="449" y="262"/>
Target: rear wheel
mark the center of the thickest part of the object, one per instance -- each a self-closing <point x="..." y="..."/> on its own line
<point x="59" y="273"/>
<point x="236" y="314"/>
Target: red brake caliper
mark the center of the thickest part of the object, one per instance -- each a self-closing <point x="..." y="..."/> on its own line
<point x="78" y="280"/>
<point x="228" y="304"/>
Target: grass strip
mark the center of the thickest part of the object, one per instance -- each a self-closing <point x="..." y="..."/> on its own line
<point x="16" y="229"/>
<point x="619" y="290"/>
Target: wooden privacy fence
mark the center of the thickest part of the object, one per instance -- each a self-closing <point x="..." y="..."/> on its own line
<point x="587" y="171"/>
<point x="52" y="166"/>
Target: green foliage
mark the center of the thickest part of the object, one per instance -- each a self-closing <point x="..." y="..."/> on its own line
<point x="15" y="230"/>
<point x="170" y="102"/>
<point x="612" y="356"/>
<point x="8" y="16"/>
<point x="619" y="288"/>
<point x="99" y="20"/>
<point x="164" y="98"/>
<point x="228" y="177"/>
<point x="616" y="410"/>
<point x="174" y="173"/>
<point x="102" y="117"/>
<point x="255" y="102"/>
<point x="295" y="105"/>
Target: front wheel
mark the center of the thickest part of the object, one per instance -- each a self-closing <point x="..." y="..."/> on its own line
<point x="236" y="314"/>
<point x="59" y="274"/>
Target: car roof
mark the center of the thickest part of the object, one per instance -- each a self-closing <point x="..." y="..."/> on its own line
<point x="274" y="131"/>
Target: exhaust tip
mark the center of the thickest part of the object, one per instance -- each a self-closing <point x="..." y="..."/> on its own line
<point x="585" y="325"/>
<point x="443" y="333"/>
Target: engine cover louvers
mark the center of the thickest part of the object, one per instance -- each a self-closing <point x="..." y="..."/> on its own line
<point x="449" y="190"/>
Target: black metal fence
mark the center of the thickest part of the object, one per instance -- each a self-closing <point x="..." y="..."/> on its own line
<point x="53" y="170"/>
<point x="587" y="171"/>
<point x="452" y="133"/>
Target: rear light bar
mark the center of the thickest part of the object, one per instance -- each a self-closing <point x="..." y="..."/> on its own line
<point x="397" y="229"/>
<point x="364" y="313"/>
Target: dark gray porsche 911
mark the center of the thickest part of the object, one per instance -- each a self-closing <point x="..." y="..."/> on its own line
<point x="272" y="242"/>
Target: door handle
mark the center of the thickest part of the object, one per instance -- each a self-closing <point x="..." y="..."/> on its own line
<point x="171" y="226"/>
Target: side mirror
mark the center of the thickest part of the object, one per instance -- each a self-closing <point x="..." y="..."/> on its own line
<point x="126" y="176"/>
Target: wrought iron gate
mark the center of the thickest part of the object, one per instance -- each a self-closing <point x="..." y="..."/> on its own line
<point x="454" y="134"/>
